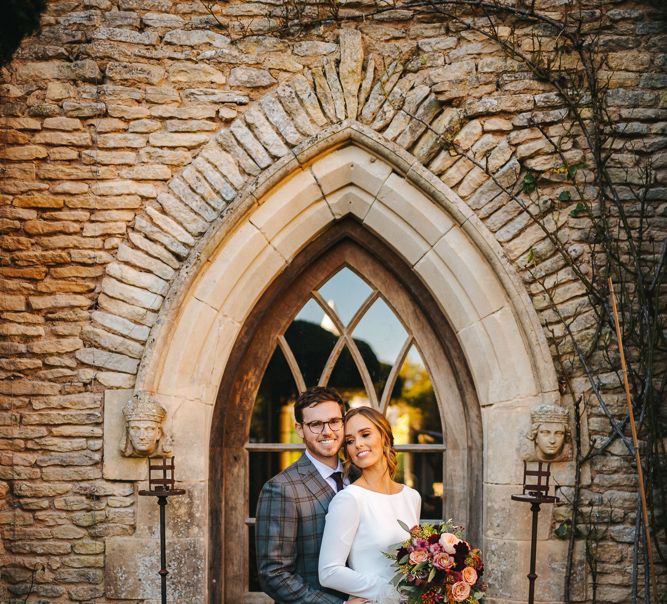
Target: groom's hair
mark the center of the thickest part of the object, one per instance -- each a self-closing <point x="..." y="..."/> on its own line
<point x="315" y="395"/>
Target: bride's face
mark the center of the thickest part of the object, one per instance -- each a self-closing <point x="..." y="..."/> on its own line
<point x="363" y="442"/>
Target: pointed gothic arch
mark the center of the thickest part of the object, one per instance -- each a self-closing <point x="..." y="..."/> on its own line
<point x="349" y="173"/>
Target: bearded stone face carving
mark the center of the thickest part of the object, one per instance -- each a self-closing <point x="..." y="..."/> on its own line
<point x="549" y="433"/>
<point x="143" y="435"/>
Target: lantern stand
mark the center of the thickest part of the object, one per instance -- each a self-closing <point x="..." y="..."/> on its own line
<point x="535" y="494"/>
<point x="162" y="486"/>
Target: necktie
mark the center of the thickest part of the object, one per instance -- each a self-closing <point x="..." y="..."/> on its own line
<point x="338" y="479"/>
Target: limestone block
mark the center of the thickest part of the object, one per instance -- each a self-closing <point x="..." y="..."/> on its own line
<point x="198" y="319"/>
<point x="349" y="200"/>
<point x="114" y="141"/>
<point x="177" y="139"/>
<point x="313" y="48"/>
<point x="281" y="121"/>
<point x="230" y="145"/>
<point x="407" y="202"/>
<point x="11" y="302"/>
<point x="140" y="279"/>
<point x="130" y="569"/>
<point x="59" y="301"/>
<point x="223" y="162"/>
<point x="265" y="132"/>
<point x="402" y="118"/>
<point x="181" y="511"/>
<point x="200" y="185"/>
<point x="323" y="94"/>
<point x="181" y="213"/>
<point x="393" y="229"/>
<point x="138" y="72"/>
<point x="110" y="341"/>
<point x="239" y="273"/>
<point x="108" y="360"/>
<point x="250" y="144"/>
<point x="295" y="110"/>
<point x="155" y="19"/>
<point x="296" y="234"/>
<point x="507" y="564"/>
<point x="351" y="62"/>
<point x="154" y="249"/>
<point x="285" y="202"/>
<point x="468" y="135"/>
<point x="505" y="427"/>
<point x="144" y="261"/>
<point x="506" y="520"/>
<point x="133" y="295"/>
<point x="193" y="199"/>
<point x="309" y="98"/>
<point x="195" y="37"/>
<point x="472" y="272"/>
<point x="196" y="72"/>
<point x="250" y="77"/>
<point x="55" y="345"/>
<point x="351" y="165"/>
<point x="160" y="236"/>
<point x="112" y="379"/>
<point x="189" y="112"/>
<point x="203" y="169"/>
<point x="455" y="303"/>
<point x="169" y="226"/>
<point x="189" y="422"/>
<point x="213" y="95"/>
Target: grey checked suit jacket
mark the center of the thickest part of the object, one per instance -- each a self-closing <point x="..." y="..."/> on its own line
<point x="290" y="520"/>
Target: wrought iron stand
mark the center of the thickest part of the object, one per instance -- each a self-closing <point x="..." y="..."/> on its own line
<point x="162" y="486"/>
<point x="536" y="495"/>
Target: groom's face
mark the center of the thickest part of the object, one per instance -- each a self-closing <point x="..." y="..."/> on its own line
<point x="325" y="445"/>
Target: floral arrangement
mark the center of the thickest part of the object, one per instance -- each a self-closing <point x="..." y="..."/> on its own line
<point x="435" y="565"/>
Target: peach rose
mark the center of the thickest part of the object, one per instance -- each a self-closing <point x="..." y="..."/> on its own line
<point x="443" y="561"/>
<point x="461" y="591"/>
<point x="418" y="556"/>
<point x="448" y="541"/>
<point x="469" y="575"/>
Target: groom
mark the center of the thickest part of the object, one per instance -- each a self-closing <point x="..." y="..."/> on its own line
<point x="292" y="505"/>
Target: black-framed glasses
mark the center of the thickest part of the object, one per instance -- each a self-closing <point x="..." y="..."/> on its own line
<point x="317" y="426"/>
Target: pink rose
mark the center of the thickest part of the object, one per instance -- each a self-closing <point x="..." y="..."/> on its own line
<point x="448" y="541"/>
<point x="469" y="575"/>
<point x="418" y="556"/>
<point x="460" y="591"/>
<point x="443" y="561"/>
<point x="435" y="548"/>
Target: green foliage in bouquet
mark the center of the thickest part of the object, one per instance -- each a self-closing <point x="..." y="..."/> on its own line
<point x="437" y="566"/>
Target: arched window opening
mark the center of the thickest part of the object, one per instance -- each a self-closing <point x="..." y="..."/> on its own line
<point x="344" y="318"/>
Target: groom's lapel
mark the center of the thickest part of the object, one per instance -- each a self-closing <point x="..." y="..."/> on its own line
<point x="313" y="481"/>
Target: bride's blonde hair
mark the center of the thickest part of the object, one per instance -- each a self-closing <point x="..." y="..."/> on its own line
<point x="381" y="423"/>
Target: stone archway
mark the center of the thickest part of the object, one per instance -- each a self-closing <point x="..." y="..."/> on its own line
<point x="351" y="171"/>
<point x="233" y="220"/>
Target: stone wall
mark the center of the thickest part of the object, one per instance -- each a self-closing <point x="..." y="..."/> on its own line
<point x="128" y="130"/>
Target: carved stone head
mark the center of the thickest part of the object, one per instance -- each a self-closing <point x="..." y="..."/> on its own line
<point x="143" y="435"/>
<point x="550" y="433"/>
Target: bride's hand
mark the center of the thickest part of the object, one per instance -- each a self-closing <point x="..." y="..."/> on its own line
<point x="357" y="600"/>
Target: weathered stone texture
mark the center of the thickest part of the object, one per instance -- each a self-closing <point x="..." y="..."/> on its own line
<point x="117" y="162"/>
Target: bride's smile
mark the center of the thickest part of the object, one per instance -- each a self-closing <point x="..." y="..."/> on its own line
<point x="364" y="442"/>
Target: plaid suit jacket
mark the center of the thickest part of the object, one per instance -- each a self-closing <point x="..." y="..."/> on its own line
<point x="290" y="521"/>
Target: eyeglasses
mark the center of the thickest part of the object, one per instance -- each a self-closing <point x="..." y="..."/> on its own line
<point x="317" y="426"/>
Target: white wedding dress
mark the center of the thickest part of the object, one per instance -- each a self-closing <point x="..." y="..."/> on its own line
<point x="360" y="525"/>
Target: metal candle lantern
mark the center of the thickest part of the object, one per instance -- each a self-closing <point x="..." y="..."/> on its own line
<point x="161" y="483"/>
<point x="535" y="494"/>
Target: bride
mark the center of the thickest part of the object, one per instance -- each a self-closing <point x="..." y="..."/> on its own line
<point x="362" y="521"/>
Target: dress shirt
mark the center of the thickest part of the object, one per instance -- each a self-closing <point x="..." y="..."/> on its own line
<point x="326" y="471"/>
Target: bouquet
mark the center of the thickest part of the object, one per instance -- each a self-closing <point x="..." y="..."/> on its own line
<point x="435" y="565"/>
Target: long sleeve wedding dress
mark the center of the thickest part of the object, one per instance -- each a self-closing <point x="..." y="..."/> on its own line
<point x="360" y="525"/>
